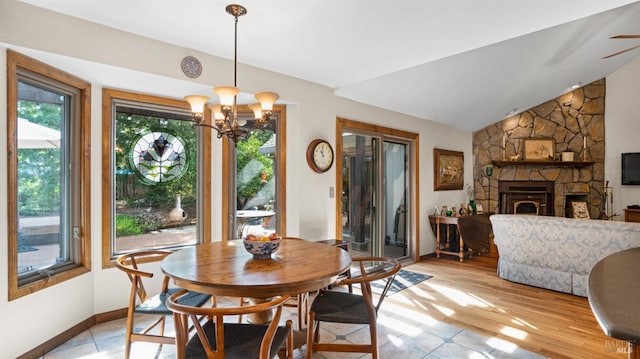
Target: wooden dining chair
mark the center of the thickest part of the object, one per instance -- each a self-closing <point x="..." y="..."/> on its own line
<point x="220" y="339"/>
<point x="352" y="308"/>
<point x="140" y="302"/>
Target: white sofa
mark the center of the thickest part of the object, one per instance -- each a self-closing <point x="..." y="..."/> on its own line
<point x="557" y="253"/>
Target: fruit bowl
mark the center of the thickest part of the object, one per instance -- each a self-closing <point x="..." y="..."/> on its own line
<point x="262" y="246"/>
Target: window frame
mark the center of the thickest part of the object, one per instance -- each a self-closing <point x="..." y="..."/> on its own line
<point x="229" y="168"/>
<point x="204" y="162"/>
<point x="21" y="66"/>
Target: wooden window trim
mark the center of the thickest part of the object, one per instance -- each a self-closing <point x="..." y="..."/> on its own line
<point x="108" y="95"/>
<point x="16" y="61"/>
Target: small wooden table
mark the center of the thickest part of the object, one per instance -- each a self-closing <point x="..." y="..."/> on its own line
<point x="447" y="220"/>
<point x="631" y="215"/>
<point x="226" y="268"/>
<point x="613" y="293"/>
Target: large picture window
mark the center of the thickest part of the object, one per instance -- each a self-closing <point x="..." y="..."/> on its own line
<point x="153" y="160"/>
<point x="48" y="136"/>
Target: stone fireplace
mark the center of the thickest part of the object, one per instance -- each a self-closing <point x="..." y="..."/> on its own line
<point x="575" y="123"/>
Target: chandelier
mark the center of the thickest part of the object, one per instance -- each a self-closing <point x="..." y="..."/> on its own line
<point x="225" y="114"/>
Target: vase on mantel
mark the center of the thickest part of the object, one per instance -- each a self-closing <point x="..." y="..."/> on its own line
<point x="472" y="207"/>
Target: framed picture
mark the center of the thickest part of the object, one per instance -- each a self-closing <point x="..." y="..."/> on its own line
<point x="538" y="149"/>
<point x="579" y="210"/>
<point x="448" y="170"/>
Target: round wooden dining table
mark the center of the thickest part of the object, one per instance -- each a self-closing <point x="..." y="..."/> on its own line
<point x="226" y="268"/>
<point x="613" y="293"/>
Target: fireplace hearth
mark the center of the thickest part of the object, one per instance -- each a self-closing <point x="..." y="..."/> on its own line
<point x="526" y="197"/>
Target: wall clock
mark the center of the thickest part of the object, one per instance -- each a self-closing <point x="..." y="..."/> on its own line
<point x="158" y="157"/>
<point x="319" y="156"/>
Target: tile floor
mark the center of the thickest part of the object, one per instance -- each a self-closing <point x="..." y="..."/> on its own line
<point x="403" y="333"/>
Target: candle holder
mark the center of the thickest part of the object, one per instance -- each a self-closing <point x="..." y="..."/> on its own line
<point x="504" y="147"/>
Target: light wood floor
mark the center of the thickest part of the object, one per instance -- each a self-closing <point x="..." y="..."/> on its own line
<point x="470" y="295"/>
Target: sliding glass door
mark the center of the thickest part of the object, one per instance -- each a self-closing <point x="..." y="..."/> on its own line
<point x="375" y="186"/>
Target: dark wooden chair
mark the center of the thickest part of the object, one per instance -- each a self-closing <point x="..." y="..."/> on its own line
<point x="476" y="232"/>
<point x="351" y="308"/>
<point x="140" y="302"/>
<point x="217" y="339"/>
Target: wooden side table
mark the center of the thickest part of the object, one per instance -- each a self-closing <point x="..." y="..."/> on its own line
<point x="631" y="215"/>
<point x="447" y="220"/>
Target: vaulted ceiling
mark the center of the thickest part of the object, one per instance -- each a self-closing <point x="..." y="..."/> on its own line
<point x="466" y="63"/>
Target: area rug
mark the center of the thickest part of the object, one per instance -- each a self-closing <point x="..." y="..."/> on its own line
<point x="403" y="280"/>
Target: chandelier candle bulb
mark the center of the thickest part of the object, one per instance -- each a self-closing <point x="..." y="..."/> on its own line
<point x="267" y="99"/>
<point x="226" y="94"/>
<point x="197" y="105"/>
<point x="257" y="110"/>
<point x="217" y="111"/>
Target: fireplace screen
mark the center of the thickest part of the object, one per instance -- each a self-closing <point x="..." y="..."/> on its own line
<point x="526" y="207"/>
<point x="526" y="197"/>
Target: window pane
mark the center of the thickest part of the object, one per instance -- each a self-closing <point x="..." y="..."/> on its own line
<point x="42" y="157"/>
<point x="255" y="184"/>
<point x="155" y="193"/>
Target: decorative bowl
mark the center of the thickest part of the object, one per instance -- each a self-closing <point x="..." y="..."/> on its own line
<point x="262" y="249"/>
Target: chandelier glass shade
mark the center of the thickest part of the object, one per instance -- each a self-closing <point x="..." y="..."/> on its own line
<point x="225" y="114"/>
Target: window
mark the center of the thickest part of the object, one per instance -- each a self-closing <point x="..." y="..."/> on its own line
<point x="255" y="201"/>
<point x="48" y="137"/>
<point x="154" y="164"/>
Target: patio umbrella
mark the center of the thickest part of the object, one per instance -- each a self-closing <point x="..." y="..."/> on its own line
<point x="269" y="146"/>
<point x="31" y="135"/>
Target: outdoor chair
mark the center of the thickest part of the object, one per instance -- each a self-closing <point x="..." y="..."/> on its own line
<point x="140" y="302"/>
<point x="351" y="308"/>
<point x="217" y="339"/>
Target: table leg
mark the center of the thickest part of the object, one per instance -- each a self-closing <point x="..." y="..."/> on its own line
<point x="461" y="255"/>
<point x="262" y="317"/>
<point x="437" y="238"/>
<point x="633" y="351"/>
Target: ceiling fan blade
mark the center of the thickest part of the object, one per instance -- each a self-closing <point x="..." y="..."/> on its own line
<point x="621" y="52"/>
<point x="625" y="37"/>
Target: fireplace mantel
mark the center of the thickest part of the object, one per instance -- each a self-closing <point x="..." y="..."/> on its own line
<point x="542" y="163"/>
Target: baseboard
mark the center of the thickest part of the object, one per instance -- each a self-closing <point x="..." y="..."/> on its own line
<point x="427" y="256"/>
<point x="68" y="334"/>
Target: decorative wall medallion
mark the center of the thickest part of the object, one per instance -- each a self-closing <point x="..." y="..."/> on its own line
<point x="191" y="67"/>
<point x="158" y="157"/>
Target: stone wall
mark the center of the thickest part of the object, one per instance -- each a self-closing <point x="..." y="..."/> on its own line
<point x="567" y="120"/>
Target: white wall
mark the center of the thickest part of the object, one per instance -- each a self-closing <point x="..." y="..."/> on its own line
<point x="99" y="55"/>
<point x="622" y="126"/>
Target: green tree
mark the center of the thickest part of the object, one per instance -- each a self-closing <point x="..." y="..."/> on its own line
<point x="254" y="171"/>
<point x="39" y="168"/>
